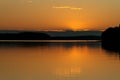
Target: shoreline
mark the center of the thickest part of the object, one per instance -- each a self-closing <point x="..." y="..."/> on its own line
<point x="50" y="41"/>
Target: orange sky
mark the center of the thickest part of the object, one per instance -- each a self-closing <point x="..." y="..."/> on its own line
<point x="59" y="14"/>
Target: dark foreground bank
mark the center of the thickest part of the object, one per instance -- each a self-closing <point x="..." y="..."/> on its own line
<point x="110" y="39"/>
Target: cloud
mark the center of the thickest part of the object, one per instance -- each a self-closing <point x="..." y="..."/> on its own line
<point x="76" y="8"/>
<point x="62" y="7"/>
<point x="67" y="7"/>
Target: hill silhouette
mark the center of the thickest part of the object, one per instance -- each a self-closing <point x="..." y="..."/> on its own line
<point x="39" y="35"/>
<point x="110" y="39"/>
<point x="24" y="36"/>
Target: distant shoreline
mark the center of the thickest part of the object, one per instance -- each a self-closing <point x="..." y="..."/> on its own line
<point x="36" y="36"/>
<point x="50" y="40"/>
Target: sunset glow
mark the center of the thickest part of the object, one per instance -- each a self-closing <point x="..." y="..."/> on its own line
<point x="59" y="14"/>
<point x="75" y="25"/>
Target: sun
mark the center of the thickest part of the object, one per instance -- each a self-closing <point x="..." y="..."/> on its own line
<point x="74" y="25"/>
<point x="77" y="25"/>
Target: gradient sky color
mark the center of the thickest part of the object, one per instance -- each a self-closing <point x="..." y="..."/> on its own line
<point x="59" y="14"/>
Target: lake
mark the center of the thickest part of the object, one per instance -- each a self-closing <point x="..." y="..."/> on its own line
<point x="77" y="60"/>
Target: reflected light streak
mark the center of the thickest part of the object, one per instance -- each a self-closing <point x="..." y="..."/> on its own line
<point x="67" y="72"/>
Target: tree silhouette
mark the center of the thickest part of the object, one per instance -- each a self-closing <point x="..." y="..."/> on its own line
<point x="110" y="38"/>
<point x="24" y="36"/>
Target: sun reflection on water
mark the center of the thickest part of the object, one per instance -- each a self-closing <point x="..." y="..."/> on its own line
<point x="67" y="72"/>
<point x="58" y="61"/>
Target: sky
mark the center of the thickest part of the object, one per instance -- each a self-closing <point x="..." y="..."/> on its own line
<point x="59" y="14"/>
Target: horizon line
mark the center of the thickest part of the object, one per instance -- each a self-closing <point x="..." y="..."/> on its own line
<point x="48" y="30"/>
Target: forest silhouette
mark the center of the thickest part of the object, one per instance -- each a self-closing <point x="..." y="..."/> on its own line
<point x="110" y="39"/>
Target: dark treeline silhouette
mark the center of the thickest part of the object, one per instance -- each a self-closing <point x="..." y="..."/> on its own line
<point x="41" y="36"/>
<point x="24" y="36"/>
<point x="110" y="39"/>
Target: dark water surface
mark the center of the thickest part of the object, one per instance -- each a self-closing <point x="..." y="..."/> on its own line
<point x="58" y="61"/>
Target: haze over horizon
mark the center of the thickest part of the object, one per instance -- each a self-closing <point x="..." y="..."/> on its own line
<point x="59" y="14"/>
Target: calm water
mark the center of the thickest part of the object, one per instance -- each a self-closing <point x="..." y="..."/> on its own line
<point x="58" y="61"/>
